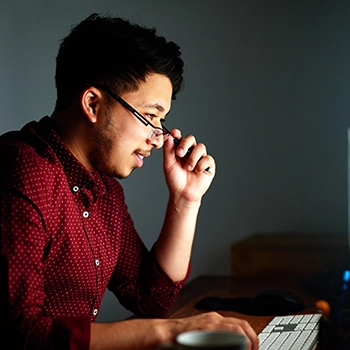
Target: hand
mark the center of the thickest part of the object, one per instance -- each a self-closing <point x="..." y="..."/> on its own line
<point x="146" y="334"/>
<point x="186" y="175"/>
<point x="213" y="321"/>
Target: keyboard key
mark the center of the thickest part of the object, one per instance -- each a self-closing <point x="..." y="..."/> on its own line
<point x="297" y="332"/>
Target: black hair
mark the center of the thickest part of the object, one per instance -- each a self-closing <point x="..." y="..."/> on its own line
<point x="113" y="52"/>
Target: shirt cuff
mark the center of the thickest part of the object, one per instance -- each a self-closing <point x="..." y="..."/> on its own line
<point x="71" y="333"/>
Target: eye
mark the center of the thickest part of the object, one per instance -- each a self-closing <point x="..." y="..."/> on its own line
<point x="150" y="116"/>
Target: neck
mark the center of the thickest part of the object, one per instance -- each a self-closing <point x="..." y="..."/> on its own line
<point x="71" y="129"/>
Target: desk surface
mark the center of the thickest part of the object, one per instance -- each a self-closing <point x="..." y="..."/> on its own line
<point x="237" y="287"/>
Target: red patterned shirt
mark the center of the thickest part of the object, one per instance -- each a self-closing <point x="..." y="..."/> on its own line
<point x="66" y="236"/>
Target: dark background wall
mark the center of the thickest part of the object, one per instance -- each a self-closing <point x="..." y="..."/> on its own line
<point x="267" y="89"/>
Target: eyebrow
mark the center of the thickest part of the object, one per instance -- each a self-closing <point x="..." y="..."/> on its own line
<point x="159" y="107"/>
<point x="155" y="105"/>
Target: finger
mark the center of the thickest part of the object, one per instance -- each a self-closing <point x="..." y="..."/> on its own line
<point x="176" y="133"/>
<point x="206" y="165"/>
<point x="193" y="154"/>
<point x="169" y="148"/>
<point x="252" y="338"/>
<point x="247" y="330"/>
<point x="190" y="155"/>
<point x="169" y="143"/>
<point x="199" y="161"/>
<point x="184" y="146"/>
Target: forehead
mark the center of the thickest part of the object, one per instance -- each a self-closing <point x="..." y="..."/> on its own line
<point x="155" y="92"/>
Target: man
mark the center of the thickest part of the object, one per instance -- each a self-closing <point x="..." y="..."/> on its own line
<point x="66" y="234"/>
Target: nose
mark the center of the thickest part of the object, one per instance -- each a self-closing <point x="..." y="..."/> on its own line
<point x="155" y="139"/>
<point x="157" y="142"/>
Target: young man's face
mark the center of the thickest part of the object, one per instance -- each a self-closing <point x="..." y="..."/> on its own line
<point x="120" y="141"/>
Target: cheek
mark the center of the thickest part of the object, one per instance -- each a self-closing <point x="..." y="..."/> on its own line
<point x="101" y="147"/>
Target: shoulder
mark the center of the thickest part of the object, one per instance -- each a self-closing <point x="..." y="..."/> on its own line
<point x="25" y="159"/>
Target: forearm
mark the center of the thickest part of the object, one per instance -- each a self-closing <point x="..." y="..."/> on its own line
<point x="174" y="245"/>
<point x="142" y="334"/>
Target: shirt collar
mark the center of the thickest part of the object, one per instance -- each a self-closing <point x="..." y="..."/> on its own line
<point x="78" y="175"/>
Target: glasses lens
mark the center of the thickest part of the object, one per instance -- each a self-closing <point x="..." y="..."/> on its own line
<point x="157" y="133"/>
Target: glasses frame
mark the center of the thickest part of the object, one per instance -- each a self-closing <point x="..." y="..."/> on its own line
<point x="156" y="130"/>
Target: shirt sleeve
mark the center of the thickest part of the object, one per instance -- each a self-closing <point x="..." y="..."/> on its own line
<point x="24" y="242"/>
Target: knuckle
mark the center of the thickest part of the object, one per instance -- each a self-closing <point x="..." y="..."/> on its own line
<point x="212" y="315"/>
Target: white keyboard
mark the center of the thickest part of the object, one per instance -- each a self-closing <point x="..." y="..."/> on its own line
<point x="296" y="332"/>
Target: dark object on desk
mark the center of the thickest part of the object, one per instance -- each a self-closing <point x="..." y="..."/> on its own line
<point x="268" y="302"/>
<point x="328" y="282"/>
<point x="277" y="301"/>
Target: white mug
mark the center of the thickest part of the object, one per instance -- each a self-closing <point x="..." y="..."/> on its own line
<point x="204" y="340"/>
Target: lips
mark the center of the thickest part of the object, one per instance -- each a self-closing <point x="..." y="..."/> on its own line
<point x="143" y="154"/>
<point x="140" y="157"/>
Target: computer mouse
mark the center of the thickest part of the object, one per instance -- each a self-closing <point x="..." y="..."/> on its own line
<point x="275" y="301"/>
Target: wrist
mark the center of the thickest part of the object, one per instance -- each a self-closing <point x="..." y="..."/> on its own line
<point x="181" y="203"/>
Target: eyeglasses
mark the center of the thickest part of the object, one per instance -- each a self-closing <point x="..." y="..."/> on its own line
<point x="155" y="132"/>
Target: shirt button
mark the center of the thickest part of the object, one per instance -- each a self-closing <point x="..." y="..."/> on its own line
<point x="86" y="214"/>
<point x="97" y="262"/>
<point x="95" y="312"/>
<point x="75" y="189"/>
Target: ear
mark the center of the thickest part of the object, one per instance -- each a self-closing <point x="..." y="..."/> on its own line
<point x="90" y="101"/>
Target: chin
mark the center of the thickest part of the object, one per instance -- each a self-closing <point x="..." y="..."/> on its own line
<point x="122" y="176"/>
